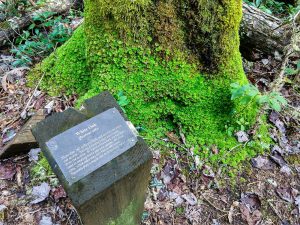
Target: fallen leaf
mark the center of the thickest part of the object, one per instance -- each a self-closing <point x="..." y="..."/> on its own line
<point x="275" y="119"/>
<point x="285" y="222"/>
<point x="173" y="138"/>
<point x="178" y="201"/>
<point x="34" y="154"/>
<point x="182" y="135"/>
<point x="215" y="222"/>
<point x="193" y="214"/>
<point x="276" y="148"/>
<point x="277" y="158"/>
<point x="272" y="182"/>
<point x="251" y="218"/>
<point x="286" y="170"/>
<point x="7" y="171"/>
<point x="251" y="200"/>
<point x="242" y="136"/>
<point x="167" y="174"/>
<point x="8" y="135"/>
<point x="46" y="220"/>
<point x="162" y="194"/>
<point x="261" y="162"/>
<point x="4" y="82"/>
<point x="190" y="198"/>
<point x="265" y="61"/>
<point x="297" y="202"/>
<point x="40" y="192"/>
<point x="59" y="193"/>
<point x="215" y="149"/>
<point x="36" y="93"/>
<point x="230" y="214"/>
<point x="285" y="193"/>
<point x="49" y="106"/>
<point x="19" y="176"/>
<point x="17" y="72"/>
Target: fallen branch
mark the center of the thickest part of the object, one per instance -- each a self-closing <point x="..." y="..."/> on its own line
<point x="263" y="31"/>
<point x="14" y="26"/>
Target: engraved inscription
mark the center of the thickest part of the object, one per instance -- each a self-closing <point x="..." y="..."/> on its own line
<point x="90" y="152"/>
<point x="91" y="144"/>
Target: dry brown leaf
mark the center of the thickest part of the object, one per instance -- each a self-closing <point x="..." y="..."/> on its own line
<point x="4" y="82"/>
<point x="19" y="176"/>
<point x="7" y="171"/>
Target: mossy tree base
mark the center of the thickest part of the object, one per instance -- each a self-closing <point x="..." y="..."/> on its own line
<point x="165" y="77"/>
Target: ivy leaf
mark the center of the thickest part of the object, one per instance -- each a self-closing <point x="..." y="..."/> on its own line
<point x="290" y="71"/>
<point x="263" y="99"/>
<point x="274" y="104"/>
<point x="257" y="3"/>
<point x="245" y="99"/>
<point x="282" y="100"/>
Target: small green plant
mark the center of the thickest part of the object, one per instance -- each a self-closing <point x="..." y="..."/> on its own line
<point x="42" y="37"/>
<point x="249" y="94"/>
<point x="273" y="7"/>
<point x="292" y="71"/>
<point x="10" y="8"/>
<point x="180" y="210"/>
<point x="122" y="100"/>
<point x="41" y="171"/>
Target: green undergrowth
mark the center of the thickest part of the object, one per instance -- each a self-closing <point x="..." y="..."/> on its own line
<point x="174" y="61"/>
<point x="163" y="94"/>
<point x="41" y="171"/>
<point x="65" y="70"/>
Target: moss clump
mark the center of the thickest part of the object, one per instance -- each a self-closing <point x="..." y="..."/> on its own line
<point x="4" y="25"/>
<point x="293" y="159"/>
<point x="114" y="51"/>
<point x="65" y="70"/>
<point x="42" y="170"/>
<point x="212" y="30"/>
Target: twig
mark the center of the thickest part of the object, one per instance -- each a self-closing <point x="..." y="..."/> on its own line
<point x="279" y="79"/>
<point x="211" y="204"/>
<point x="32" y="3"/>
<point x="31" y="97"/>
<point x="274" y="210"/>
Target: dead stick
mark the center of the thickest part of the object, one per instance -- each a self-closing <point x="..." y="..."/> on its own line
<point x="211" y="204"/>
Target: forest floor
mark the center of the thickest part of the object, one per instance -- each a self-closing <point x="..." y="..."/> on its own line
<point x="265" y="190"/>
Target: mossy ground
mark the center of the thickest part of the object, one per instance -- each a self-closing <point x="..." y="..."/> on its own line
<point x="163" y="82"/>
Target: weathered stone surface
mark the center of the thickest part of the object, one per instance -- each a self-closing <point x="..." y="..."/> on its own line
<point x="24" y="140"/>
<point x="114" y="193"/>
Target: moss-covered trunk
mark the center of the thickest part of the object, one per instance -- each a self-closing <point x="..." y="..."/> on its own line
<point x="173" y="59"/>
<point x="206" y="29"/>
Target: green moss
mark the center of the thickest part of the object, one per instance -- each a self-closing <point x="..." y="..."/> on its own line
<point x="65" y="70"/>
<point x="293" y="159"/>
<point x="4" y="25"/>
<point x="212" y="30"/>
<point x="114" y="51"/>
<point x="42" y="170"/>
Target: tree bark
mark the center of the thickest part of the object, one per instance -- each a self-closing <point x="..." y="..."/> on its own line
<point x="263" y="32"/>
<point x="9" y="30"/>
<point x="259" y="30"/>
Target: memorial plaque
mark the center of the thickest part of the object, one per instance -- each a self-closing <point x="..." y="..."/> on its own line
<point x="103" y="166"/>
<point x="91" y="144"/>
